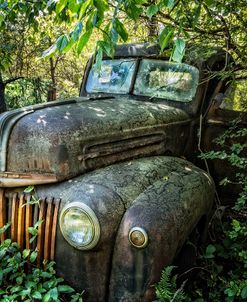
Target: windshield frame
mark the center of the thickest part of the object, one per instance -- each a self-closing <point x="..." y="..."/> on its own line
<point x="188" y="106"/>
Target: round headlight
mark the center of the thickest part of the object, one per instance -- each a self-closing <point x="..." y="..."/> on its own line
<point x="138" y="237"/>
<point x="80" y="226"/>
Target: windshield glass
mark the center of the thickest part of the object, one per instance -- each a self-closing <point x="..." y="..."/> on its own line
<point x="115" y="76"/>
<point x="172" y="81"/>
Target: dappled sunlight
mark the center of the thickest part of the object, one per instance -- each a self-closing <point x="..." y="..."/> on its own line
<point x="41" y="120"/>
<point x="188" y="169"/>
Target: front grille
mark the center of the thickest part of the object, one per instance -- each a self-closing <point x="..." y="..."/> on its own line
<point x="18" y="210"/>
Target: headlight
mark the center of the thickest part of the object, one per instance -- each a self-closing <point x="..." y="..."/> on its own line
<point x="138" y="237"/>
<point x="80" y="226"/>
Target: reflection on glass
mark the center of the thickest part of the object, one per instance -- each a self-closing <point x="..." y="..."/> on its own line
<point x="172" y="81"/>
<point x="115" y="76"/>
<point x="78" y="228"/>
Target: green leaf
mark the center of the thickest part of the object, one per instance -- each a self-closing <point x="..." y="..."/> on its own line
<point x="25" y="292"/>
<point x="178" y="50"/>
<point x="197" y="13"/>
<point x="244" y="293"/>
<point x="25" y="253"/>
<point x="54" y="293"/>
<point x="19" y="280"/>
<point x="33" y="231"/>
<point x="168" y="3"/>
<point x="73" y="6"/>
<point x="47" y="297"/>
<point x="84" y="8"/>
<point x="209" y="2"/>
<point x="107" y="47"/>
<point x="121" y="30"/>
<point x="4" y="228"/>
<point x="83" y="40"/>
<point x="50" y="51"/>
<point x="33" y="256"/>
<point x="77" y="31"/>
<point x="152" y="10"/>
<point x="37" y="295"/>
<point x="210" y="251"/>
<point x="165" y="37"/>
<point x="65" y="289"/>
<point x="60" y="5"/>
<point x="62" y="42"/>
<point x="98" y="60"/>
<point x="132" y="10"/>
<point x="29" y="189"/>
<point x="101" y="5"/>
<point x="114" y="35"/>
<point x="38" y="223"/>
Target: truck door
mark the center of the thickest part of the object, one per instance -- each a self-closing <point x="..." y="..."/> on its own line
<point x="225" y="129"/>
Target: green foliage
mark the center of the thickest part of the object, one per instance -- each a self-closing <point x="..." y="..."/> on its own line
<point x="26" y="92"/>
<point x="232" y="150"/>
<point x="166" y="289"/>
<point x="224" y="261"/>
<point x="37" y="285"/>
<point x="224" y="266"/>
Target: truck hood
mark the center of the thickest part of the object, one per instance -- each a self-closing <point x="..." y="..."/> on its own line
<point x="60" y="140"/>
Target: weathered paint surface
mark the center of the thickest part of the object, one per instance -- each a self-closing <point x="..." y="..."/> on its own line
<point x="168" y="191"/>
<point x="67" y="140"/>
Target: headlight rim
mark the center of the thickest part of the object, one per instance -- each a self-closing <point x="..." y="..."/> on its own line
<point x="144" y="233"/>
<point x="92" y="218"/>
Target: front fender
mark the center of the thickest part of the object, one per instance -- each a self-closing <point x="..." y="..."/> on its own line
<point x="87" y="270"/>
<point x="168" y="210"/>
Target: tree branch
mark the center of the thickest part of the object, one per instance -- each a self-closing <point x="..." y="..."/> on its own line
<point x="12" y="80"/>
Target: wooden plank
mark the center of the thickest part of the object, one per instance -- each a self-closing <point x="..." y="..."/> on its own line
<point x="2" y="214"/>
<point x="54" y="228"/>
<point x="48" y="229"/>
<point x="14" y="217"/>
<point x="21" y="222"/>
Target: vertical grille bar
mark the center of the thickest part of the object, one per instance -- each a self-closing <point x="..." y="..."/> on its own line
<point x="48" y="228"/>
<point x="14" y="217"/>
<point x="21" y="222"/>
<point x="2" y="213"/>
<point x="18" y="210"/>
<point x="28" y="221"/>
<point x="54" y="229"/>
<point x="41" y="232"/>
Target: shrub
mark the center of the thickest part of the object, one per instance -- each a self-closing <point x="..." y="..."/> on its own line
<point x="20" y="280"/>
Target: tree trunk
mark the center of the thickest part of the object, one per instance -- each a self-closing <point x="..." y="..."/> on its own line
<point x="52" y="92"/>
<point x="3" y="106"/>
<point x="153" y="29"/>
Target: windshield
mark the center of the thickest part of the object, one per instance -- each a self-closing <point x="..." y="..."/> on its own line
<point x="155" y="78"/>
<point x="172" y="81"/>
<point x="115" y="76"/>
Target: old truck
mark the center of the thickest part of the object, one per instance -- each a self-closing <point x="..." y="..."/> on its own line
<point x="112" y="169"/>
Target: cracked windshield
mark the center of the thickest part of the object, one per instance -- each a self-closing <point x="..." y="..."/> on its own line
<point x="172" y="81"/>
<point x="155" y="78"/>
<point x="115" y="76"/>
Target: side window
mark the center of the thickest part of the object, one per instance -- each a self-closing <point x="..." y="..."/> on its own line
<point x="235" y="97"/>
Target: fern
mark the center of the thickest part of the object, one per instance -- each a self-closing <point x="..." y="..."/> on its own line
<point x="166" y="289"/>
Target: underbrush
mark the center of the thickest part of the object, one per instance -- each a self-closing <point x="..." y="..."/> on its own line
<point x="21" y="280"/>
